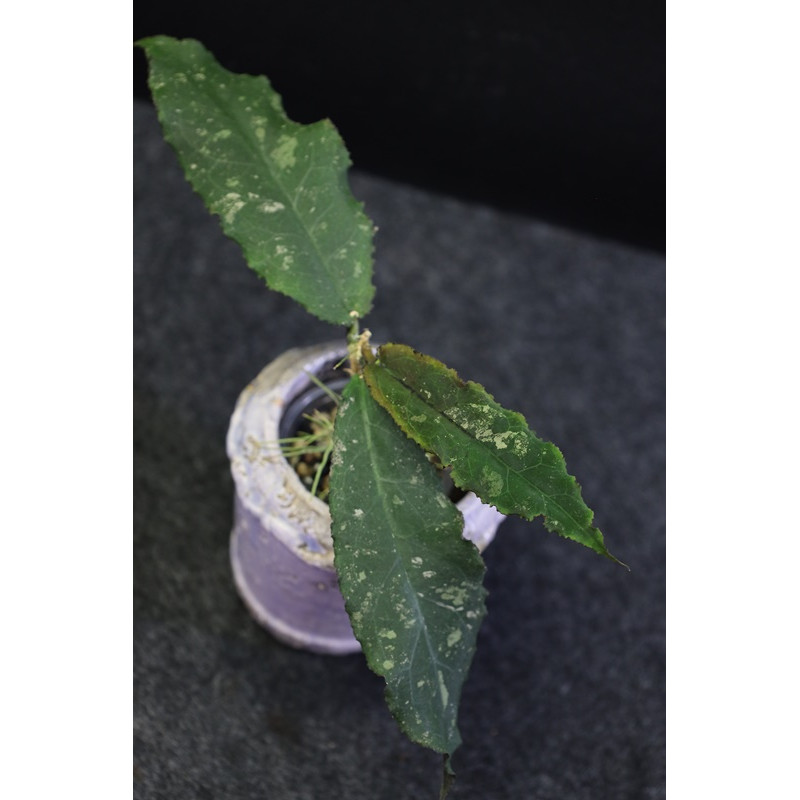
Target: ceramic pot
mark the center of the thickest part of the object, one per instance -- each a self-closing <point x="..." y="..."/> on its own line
<point x="281" y="546"/>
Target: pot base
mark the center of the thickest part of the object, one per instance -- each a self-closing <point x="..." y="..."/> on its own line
<point x="298" y="602"/>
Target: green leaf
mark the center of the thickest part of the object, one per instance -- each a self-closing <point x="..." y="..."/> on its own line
<point x="491" y="450"/>
<point x="412" y="584"/>
<point x="279" y="188"/>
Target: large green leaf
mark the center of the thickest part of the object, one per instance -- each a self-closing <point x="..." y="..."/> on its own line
<point x="491" y="450"/>
<point x="412" y="584"/>
<point x="279" y="188"/>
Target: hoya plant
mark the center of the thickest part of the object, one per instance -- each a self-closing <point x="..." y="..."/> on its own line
<point x="413" y="586"/>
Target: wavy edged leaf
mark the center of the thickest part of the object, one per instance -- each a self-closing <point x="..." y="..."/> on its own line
<point x="279" y="188"/>
<point x="491" y="450"/>
<point x="412" y="584"/>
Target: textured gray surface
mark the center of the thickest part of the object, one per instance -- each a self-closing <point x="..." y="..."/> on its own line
<point x="565" y="698"/>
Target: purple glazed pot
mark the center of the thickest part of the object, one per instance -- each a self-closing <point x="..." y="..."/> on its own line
<point x="281" y="546"/>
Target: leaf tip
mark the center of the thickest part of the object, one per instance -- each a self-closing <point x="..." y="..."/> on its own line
<point x="599" y="547"/>
<point x="617" y="561"/>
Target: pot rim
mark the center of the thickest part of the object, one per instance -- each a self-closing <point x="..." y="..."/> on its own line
<point x="265" y="481"/>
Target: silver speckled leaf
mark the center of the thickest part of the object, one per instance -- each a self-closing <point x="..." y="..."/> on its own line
<point x="279" y="188"/>
<point x="412" y="584"/>
<point x="491" y="450"/>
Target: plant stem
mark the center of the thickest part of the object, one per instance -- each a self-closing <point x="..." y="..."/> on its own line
<point x="358" y="348"/>
<point x="448" y="777"/>
<point x="353" y="338"/>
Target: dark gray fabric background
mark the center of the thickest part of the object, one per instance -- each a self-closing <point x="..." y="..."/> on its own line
<point x="565" y="698"/>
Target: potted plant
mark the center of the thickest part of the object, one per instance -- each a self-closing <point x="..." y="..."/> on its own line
<point x="280" y="445"/>
<point x="377" y="431"/>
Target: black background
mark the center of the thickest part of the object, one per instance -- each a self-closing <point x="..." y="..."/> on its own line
<point x="554" y="109"/>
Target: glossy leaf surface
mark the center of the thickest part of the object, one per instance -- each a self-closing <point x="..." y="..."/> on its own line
<point x="279" y="188"/>
<point x="412" y="584"/>
<point x="491" y="450"/>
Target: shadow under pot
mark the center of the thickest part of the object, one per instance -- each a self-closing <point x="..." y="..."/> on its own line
<point x="281" y="546"/>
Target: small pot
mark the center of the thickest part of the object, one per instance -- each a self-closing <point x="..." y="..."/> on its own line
<point x="281" y="545"/>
